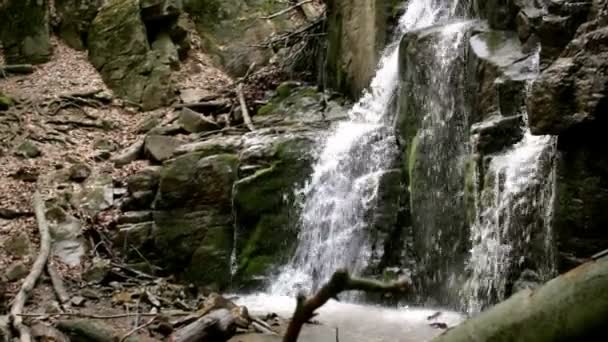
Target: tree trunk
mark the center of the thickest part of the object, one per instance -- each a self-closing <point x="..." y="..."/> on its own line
<point x="571" y="307"/>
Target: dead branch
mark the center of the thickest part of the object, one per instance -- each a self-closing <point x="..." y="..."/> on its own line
<point x="125" y="315"/>
<point x="60" y="291"/>
<point x="30" y="281"/>
<point x="16" y="69"/>
<point x="136" y="329"/>
<point x="339" y="282"/>
<point x="244" y="109"/>
<point x="288" y="9"/>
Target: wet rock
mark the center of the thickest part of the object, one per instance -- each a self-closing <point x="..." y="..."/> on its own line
<point x="572" y="92"/>
<point x="135" y="217"/>
<point x="194" y="122"/>
<point x="193" y="216"/>
<point x="25" y="34"/>
<point x="16" y="271"/>
<point x="528" y="279"/>
<point x="263" y="204"/>
<point x="18" y="244"/>
<point x="497" y="133"/>
<point x="28" y="149"/>
<point x="97" y="270"/>
<point x="160" y="148"/>
<point x="79" y="172"/>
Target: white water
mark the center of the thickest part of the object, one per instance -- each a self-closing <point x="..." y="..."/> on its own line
<point x="344" y="184"/>
<point x="503" y="234"/>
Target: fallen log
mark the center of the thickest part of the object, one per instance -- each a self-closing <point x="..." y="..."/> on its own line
<point x="571" y="307"/>
<point x="16" y="69"/>
<point x="217" y="326"/>
<point x="30" y="281"/>
<point x="340" y="281"/>
<point x="244" y="110"/>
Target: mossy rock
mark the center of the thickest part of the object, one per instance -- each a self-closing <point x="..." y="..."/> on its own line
<point x="192" y="206"/>
<point x="210" y="263"/>
<point x="25" y="32"/>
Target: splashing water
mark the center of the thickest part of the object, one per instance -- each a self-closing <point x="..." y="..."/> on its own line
<point x="344" y="184"/>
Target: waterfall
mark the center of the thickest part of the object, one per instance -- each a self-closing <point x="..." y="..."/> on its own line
<point x="344" y="184"/>
<point x="512" y="232"/>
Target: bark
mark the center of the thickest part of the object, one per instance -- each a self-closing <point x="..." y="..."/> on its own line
<point x="571" y="307"/>
<point x="339" y="282"/>
<point x="30" y="281"/>
<point x="217" y="326"/>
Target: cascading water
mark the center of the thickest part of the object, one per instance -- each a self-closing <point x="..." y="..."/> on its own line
<point x="345" y="180"/>
<point x="512" y="233"/>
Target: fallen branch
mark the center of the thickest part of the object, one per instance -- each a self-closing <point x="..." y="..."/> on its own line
<point x="339" y="282"/>
<point x="16" y="69"/>
<point x="125" y="315"/>
<point x="218" y="325"/>
<point x="288" y="9"/>
<point x="244" y="109"/>
<point x="60" y="291"/>
<point x="136" y="329"/>
<point x="30" y="281"/>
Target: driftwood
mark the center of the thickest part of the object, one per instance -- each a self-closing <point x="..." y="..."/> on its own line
<point x="16" y="69"/>
<point x="571" y="307"/>
<point x="37" y="268"/>
<point x="217" y="326"/>
<point x="339" y="282"/>
<point x="244" y="109"/>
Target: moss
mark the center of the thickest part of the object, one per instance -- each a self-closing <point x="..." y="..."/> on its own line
<point x="5" y="102"/>
<point x="266" y="109"/>
<point x="210" y="263"/>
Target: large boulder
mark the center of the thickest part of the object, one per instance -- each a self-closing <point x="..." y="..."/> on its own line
<point x="25" y="31"/>
<point x="74" y="20"/>
<point x="193" y="217"/>
<point x="134" y="67"/>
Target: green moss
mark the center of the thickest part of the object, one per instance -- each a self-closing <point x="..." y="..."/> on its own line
<point x="5" y="102"/>
<point x="266" y="109"/>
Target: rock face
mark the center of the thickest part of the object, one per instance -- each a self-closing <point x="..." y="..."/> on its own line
<point x="74" y="20"/>
<point x="25" y="31"/>
<point x="135" y="63"/>
<point x="357" y="32"/>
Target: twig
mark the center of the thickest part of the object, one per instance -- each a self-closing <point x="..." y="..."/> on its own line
<point x="244" y="109"/>
<point x="60" y="291"/>
<point x="30" y="281"/>
<point x="339" y="282"/>
<point x="136" y="329"/>
<point x="279" y="13"/>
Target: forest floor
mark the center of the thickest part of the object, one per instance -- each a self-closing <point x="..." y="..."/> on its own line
<point x="63" y="114"/>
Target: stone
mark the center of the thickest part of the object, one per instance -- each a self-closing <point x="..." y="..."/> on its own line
<point x="146" y="180"/>
<point x="25" y="32"/>
<point x="155" y="10"/>
<point x="16" y="271"/>
<point x="136" y="235"/>
<point x="95" y="195"/>
<point x="216" y="145"/>
<point x="194" y="122"/>
<point x="194" y="199"/>
<point x="129" y="154"/>
<point x="85" y="330"/>
<point x="97" y="270"/>
<point x="264" y="206"/>
<point x="74" y="20"/>
<point x="120" y="50"/>
<point x="19" y="244"/>
<point x="28" y="149"/>
<point x="160" y="148"/>
<point x="192" y="95"/>
<point x="497" y="133"/>
<point x="79" y="172"/>
<point x="78" y="301"/>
